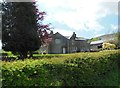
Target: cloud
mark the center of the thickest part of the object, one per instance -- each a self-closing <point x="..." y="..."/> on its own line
<point x="114" y="27"/>
<point x="63" y="32"/>
<point x="97" y="35"/>
<point x="109" y="8"/>
<point x="82" y="15"/>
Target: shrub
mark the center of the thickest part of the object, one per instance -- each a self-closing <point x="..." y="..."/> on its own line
<point x="108" y="46"/>
<point x="80" y="69"/>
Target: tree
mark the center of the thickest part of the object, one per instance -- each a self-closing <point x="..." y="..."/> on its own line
<point x="22" y="28"/>
<point x="44" y="30"/>
<point x="116" y="40"/>
<point x="19" y="28"/>
<point x="0" y="21"/>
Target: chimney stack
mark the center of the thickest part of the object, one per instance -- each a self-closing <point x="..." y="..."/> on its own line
<point x="74" y="35"/>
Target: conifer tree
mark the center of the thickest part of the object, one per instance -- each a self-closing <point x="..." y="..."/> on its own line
<point x="19" y="28"/>
<point x="22" y="28"/>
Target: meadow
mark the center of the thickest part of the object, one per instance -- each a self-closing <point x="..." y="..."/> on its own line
<point x="78" y="69"/>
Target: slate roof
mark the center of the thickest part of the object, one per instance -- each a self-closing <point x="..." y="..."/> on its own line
<point x="68" y="37"/>
<point x="97" y="42"/>
<point x="101" y="41"/>
<point x="80" y="38"/>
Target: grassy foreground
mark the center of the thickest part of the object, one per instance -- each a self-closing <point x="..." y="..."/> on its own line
<point x="79" y="69"/>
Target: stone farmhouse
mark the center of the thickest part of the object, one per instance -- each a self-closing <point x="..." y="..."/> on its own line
<point x="66" y="44"/>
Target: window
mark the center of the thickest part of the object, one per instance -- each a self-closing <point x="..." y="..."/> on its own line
<point x="57" y="41"/>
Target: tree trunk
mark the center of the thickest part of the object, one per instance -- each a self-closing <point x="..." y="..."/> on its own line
<point x="23" y="55"/>
<point x="30" y="54"/>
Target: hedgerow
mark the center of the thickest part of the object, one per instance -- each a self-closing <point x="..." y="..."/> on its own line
<point x="80" y="69"/>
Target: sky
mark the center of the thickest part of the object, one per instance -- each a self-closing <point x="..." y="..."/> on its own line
<point x="87" y="18"/>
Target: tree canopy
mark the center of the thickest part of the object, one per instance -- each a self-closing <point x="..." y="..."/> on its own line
<point x="22" y="28"/>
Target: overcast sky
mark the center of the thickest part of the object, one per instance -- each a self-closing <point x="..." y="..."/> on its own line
<point x="88" y="18"/>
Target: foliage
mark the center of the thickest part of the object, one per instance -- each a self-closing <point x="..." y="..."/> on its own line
<point x="80" y="69"/>
<point x="116" y="40"/>
<point x="93" y="39"/>
<point x="22" y="28"/>
<point x="108" y="46"/>
<point x="44" y="30"/>
<point x="19" y="28"/>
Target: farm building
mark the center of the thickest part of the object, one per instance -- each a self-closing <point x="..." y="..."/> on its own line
<point x="66" y="44"/>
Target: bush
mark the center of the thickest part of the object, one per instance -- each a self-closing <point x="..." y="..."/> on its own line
<point x="80" y="69"/>
<point x="108" y="46"/>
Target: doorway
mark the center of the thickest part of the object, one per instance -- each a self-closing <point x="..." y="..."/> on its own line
<point x="64" y="50"/>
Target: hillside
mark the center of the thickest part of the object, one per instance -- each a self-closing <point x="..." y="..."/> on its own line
<point x="108" y="36"/>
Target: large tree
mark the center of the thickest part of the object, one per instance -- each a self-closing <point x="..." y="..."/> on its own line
<point x="21" y="30"/>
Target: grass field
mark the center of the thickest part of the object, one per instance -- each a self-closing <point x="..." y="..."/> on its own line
<point x="78" y="69"/>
